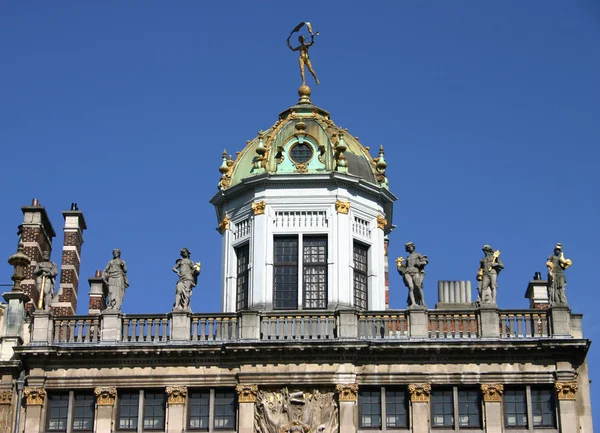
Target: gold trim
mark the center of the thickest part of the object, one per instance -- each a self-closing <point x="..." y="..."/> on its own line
<point x="381" y="222"/>
<point x="419" y="392"/>
<point x="342" y="206"/>
<point x="258" y="207"/>
<point x="566" y="390"/>
<point x="224" y="224"/>
<point x="176" y="394"/>
<point x="35" y="396"/>
<point x="6" y="397"/>
<point x="246" y="393"/>
<point x="492" y="392"/>
<point x="105" y="396"/>
<point x="347" y="391"/>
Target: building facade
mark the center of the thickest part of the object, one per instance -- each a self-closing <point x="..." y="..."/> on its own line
<point x="305" y="341"/>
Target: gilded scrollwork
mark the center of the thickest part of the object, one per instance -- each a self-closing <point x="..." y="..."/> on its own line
<point x="34" y="396"/>
<point x="105" y="396"/>
<point x="566" y="390"/>
<point x="6" y="397"/>
<point x="419" y="392"/>
<point x="342" y="206"/>
<point x="492" y="391"/>
<point x="176" y="394"/>
<point x="246" y="393"/>
<point x="347" y="391"/>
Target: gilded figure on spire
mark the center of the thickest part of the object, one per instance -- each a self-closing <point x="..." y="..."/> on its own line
<point x="303" y="49"/>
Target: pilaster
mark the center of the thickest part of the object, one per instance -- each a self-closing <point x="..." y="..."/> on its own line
<point x="342" y="253"/>
<point x="347" y="396"/>
<point x="566" y="393"/>
<point x="176" y="398"/>
<point x="560" y="317"/>
<point x="419" y="397"/>
<point x="13" y="323"/>
<point x="34" y="401"/>
<point x="246" y="401"/>
<point x="492" y="403"/>
<point x="105" y="403"/>
<point x="260" y="260"/>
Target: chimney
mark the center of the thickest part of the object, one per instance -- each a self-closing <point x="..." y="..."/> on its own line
<point x="98" y="293"/>
<point x="35" y="233"/>
<point x="537" y="293"/>
<point x="65" y="304"/>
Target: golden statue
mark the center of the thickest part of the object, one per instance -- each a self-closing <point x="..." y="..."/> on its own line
<point x="303" y="48"/>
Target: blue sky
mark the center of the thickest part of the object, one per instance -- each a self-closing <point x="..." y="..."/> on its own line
<point x="488" y="112"/>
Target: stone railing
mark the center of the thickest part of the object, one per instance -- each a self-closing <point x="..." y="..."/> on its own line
<point x="408" y="325"/>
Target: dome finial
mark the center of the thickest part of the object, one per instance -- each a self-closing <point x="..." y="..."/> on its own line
<point x="302" y="48"/>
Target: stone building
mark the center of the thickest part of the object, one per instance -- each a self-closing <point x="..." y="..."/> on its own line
<point x="305" y="341"/>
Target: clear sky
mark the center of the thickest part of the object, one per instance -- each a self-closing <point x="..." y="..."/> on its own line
<point x="489" y="113"/>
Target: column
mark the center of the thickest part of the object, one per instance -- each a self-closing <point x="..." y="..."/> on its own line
<point x="492" y="403"/>
<point x="176" y="396"/>
<point x="347" y="396"/>
<point x="105" y="403"/>
<point x="246" y="400"/>
<point x="261" y="261"/>
<point x="419" y="397"/>
<point x="6" y="410"/>
<point x="33" y="413"/>
<point x="342" y="255"/>
<point x="567" y="410"/>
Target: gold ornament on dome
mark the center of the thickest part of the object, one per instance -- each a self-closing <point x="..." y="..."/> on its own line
<point x="492" y="392"/>
<point x="176" y="394"/>
<point x="419" y="392"/>
<point x="224" y="224"/>
<point x="342" y="206"/>
<point x="247" y="393"/>
<point x="35" y="396"/>
<point x="258" y="207"/>
<point x="105" y="396"/>
<point x="381" y="222"/>
<point x="566" y="390"/>
<point x="347" y="391"/>
<point x="6" y="397"/>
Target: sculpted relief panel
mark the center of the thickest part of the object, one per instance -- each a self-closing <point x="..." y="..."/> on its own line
<point x="295" y="411"/>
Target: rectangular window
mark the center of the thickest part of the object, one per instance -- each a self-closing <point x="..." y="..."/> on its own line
<point x="515" y="408"/>
<point x="542" y="406"/>
<point x="154" y="410"/>
<point x="442" y="408"/>
<point x="198" y="410"/>
<point x="243" y="260"/>
<point x="128" y="410"/>
<point x="224" y="410"/>
<point x="469" y="408"/>
<point x="83" y="412"/>
<point x="286" y="272"/>
<point x="361" y="267"/>
<point x="58" y="410"/>
<point x="396" y="409"/>
<point x="369" y="408"/>
<point x="314" y="272"/>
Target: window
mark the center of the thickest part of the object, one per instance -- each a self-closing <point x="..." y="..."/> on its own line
<point x="301" y="153"/>
<point x="442" y="408"/>
<point x="83" y="412"/>
<point x="456" y="408"/>
<point x="383" y="403"/>
<point x="220" y="403"/>
<point x="515" y="408"/>
<point x="243" y="260"/>
<point x="542" y="407"/>
<point x="58" y="410"/>
<point x="361" y="266"/>
<point x="314" y="272"/>
<point x="469" y="408"/>
<point x="154" y="410"/>
<point x="128" y="410"/>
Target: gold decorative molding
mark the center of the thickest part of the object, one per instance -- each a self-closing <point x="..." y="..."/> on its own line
<point x="419" y="392"/>
<point x="35" y="396"/>
<point x="381" y="222"/>
<point x="258" y="207"/>
<point x="176" y="394"/>
<point x="6" y="397"/>
<point x="105" y="396"/>
<point x="342" y="206"/>
<point x="492" y="392"/>
<point x="566" y="390"/>
<point x="224" y="224"/>
<point x="247" y="393"/>
<point x="347" y="391"/>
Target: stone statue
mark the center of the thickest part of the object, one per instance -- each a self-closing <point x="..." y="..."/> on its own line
<point x="487" y="275"/>
<point x="115" y="277"/>
<point x="188" y="272"/>
<point x="303" y="48"/>
<point x="45" y="279"/>
<point x="557" y="283"/>
<point x="413" y="274"/>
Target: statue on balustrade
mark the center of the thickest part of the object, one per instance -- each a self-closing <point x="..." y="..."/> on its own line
<point x="115" y="277"/>
<point x="487" y="275"/>
<point x="45" y="279"/>
<point x="188" y="272"/>
<point x="557" y="282"/>
<point x="413" y="273"/>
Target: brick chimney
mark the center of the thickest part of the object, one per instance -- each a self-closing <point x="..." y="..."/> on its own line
<point x="66" y="304"/>
<point x="98" y="292"/>
<point x="537" y="293"/>
<point x="35" y="233"/>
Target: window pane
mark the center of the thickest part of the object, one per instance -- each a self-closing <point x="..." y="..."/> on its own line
<point x="314" y="272"/>
<point x="83" y="412"/>
<point x="58" y="408"/>
<point x="396" y="409"/>
<point x="154" y="410"/>
<point x="542" y="406"/>
<point x="361" y="267"/>
<point x="515" y="408"/>
<point x="128" y="410"/>
<point x="369" y="407"/>
<point x="286" y="273"/>
<point x="243" y="256"/>
<point x="198" y="407"/>
<point x="224" y="410"/>
<point x="469" y="408"/>
<point x="442" y="408"/>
